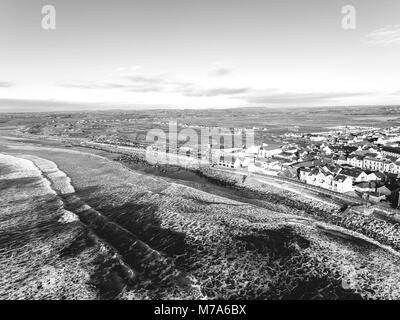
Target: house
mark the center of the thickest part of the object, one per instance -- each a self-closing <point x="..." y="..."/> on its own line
<point x="291" y="150"/>
<point x="327" y="150"/>
<point x="266" y="152"/>
<point x="323" y="180"/>
<point x="229" y="161"/>
<point x="391" y="151"/>
<point x="317" y="138"/>
<point x="342" y="184"/>
<point x="364" y="187"/>
<point x="304" y="174"/>
<point x="391" y="166"/>
<point x="384" y="190"/>
<point x="268" y="164"/>
<point x="316" y="177"/>
<point x="375" y="176"/>
<point x="245" y="161"/>
<point x="356" y="175"/>
<point x="356" y="161"/>
<point x="376" y="197"/>
<point x="374" y="164"/>
<point x="286" y="156"/>
<point x="340" y="160"/>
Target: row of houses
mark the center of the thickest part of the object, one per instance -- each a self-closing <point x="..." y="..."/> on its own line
<point x="374" y="163"/>
<point x="337" y="179"/>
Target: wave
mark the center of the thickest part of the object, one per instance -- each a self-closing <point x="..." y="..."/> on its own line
<point x="58" y="182"/>
<point x="138" y="255"/>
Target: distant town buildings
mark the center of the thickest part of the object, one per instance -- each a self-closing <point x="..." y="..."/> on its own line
<point x="359" y="161"/>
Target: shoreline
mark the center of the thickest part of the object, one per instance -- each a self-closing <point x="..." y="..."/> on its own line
<point x="328" y="219"/>
<point x="272" y="197"/>
<point x="215" y="227"/>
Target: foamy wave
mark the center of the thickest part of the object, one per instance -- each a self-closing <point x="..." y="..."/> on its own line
<point x="50" y="180"/>
<point x="68" y="217"/>
<point x="60" y="181"/>
<point x="21" y="168"/>
<point x="356" y="235"/>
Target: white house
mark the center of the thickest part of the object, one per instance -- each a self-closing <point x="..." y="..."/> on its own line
<point x="356" y="161"/>
<point x="375" y="176"/>
<point x="229" y="161"/>
<point x="384" y="190"/>
<point x="342" y="184"/>
<point x="391" y="167"/>
<point x="327" y="150"/>
<point x="355" y="174"/>
<point x="374" y="164"/>
<point x="391" y="151"/>
<point x="364" y="187"/>
<point x="376" y="197"/>
<point x="316" y="177"/>
<point x="266" y="152"/>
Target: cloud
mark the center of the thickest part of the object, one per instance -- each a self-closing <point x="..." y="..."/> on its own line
<point x="129" y="83"/>
<point x="163" y="83"/>
<point x="212" y="92"/>
<point x="6" y="84"/>
<point x="142" y="83"/>
<point x="220" y="69"/>
<point x="387" y="35"/>
<point x="90" y="85"/>
<point x="139" y="78"/>
<point x="281" y="98"/>
<point x="131" y="87"/>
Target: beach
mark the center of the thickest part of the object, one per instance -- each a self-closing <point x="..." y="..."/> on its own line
<point x="133" y="235"/>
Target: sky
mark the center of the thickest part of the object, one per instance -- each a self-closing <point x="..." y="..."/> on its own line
<point x="197" y="54"/>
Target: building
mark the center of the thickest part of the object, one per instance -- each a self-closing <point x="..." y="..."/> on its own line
<point x="391" y="151"/>
<point x="356" y="175"/>
<point x="364" y="187"/>
<point x="316" y="177"/>
<point x="376" y="197"/>
<point x="373" y="164"/>
<point x="269" y="164"/>
<point x="229" y="161"/>
<point x="342" y="184"/>
<point x="266" y="152"/>
<point x="340" y="160"/>
<point x="391" y="167"/>
<point x="304" y="174"/>
<point x="286" y="156"/>
<point x="384" y="190"/>
<point x="356" y="161"/>
<point x="375" y="176"/>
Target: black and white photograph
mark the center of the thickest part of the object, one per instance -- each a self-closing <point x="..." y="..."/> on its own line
<point x="216" y="152"/>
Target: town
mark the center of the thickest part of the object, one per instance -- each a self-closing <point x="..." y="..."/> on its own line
<point x="358" y="161"/>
